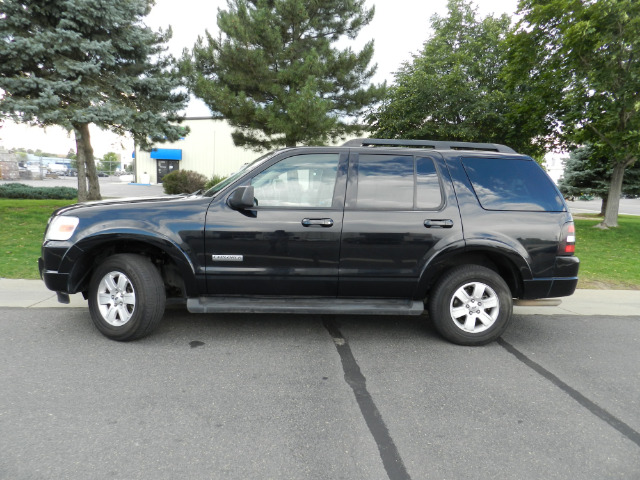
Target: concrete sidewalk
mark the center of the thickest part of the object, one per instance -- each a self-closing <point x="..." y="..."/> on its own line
<point x="33" y="294"/>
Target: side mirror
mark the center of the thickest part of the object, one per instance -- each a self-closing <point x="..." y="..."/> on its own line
<point x="242" y="198"/>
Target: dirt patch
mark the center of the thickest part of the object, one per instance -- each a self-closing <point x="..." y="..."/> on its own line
<point x="605" y="285"/>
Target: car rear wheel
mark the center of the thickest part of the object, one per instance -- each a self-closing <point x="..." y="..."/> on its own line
<point x="126" y="297"/>
<point x="471" y="305"/>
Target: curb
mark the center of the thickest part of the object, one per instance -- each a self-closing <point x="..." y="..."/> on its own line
<point x="34" y="294"/>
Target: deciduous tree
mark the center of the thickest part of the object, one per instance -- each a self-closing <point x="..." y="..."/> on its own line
<point x="592" y="49"/>
<point x="110" y="162"/>
<point x="455" y="88"/>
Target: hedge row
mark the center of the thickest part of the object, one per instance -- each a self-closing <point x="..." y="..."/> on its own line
<point x="20" y="190"/>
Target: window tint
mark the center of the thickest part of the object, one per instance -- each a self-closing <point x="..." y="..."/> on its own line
<point x="299" y="181"/>
<point x="385" y="182"/>
<point x="390" y="182"/>
<point x="507" y="184"/>
<point x="428" y="195"/>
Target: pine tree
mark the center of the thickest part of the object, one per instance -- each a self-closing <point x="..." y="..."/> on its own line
<point x="275" y="76"/>
<point x="79" y="62"/>
<point x="586" y="172"/>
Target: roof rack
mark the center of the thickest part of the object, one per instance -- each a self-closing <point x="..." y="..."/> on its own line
<point x="434" y="144"/>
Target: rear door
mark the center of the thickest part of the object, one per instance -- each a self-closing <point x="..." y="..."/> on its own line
<point x="400" y="211"/>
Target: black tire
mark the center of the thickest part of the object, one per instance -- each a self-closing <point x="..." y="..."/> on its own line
<point x="485" y="314"/>
<point x="126" y="297"/>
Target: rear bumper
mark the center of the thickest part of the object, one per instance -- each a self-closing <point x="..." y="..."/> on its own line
<point x="562" y="284"/>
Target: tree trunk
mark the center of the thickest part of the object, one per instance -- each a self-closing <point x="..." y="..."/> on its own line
<point x="603" y="208"/>
<point x="615" y="190"/>
<point x="86" y="159"/>
<point x="80" y="163"/>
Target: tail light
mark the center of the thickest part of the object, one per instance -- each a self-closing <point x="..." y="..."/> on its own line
<point x="567" y="245"/>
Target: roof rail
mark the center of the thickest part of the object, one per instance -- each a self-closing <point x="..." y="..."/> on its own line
<point x="434" y="144"/>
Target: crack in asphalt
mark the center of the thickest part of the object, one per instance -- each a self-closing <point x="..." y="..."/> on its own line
<point x="595" y="409"/>
<point x="389" y="454"/>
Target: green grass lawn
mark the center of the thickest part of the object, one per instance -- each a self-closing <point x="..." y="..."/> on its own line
<point x="608" y="258"/>
<point x="23" y="223"/>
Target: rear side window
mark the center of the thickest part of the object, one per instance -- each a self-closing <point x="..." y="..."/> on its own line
<point x="397" y="182"/>
<point x="509" y="184"/>
<point x="385" y="182"/>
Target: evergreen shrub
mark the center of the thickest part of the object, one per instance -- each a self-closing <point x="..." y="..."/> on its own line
<point x="183" y="181"/>
<point x="22" y="191"/>
<point x="216" y="179"/>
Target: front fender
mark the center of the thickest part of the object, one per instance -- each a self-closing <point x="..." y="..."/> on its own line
<point x="79" y="260"/>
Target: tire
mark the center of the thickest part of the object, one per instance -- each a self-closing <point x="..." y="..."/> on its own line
<point x="126" y="297"/>
<point x="471" y="305"/>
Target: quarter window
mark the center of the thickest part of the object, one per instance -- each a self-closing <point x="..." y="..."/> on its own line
<point x="428" y="193"/>
<point x="510" y="184"/>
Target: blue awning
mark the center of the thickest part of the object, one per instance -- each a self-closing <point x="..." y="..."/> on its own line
<point x="167" y="153"/>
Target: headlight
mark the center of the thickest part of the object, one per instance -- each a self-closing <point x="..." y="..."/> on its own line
<point x="61" y="228"/>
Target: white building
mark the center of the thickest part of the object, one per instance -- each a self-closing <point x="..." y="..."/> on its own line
<point x="207" y="149"/>
<point x="554" y="164"/>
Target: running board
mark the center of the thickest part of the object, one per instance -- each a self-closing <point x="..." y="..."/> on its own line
<point x="540" y="302"/>
<point x="348" y="306"/>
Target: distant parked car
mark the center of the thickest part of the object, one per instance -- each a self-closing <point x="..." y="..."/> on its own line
<point x="57" y="168"/>
<point x="103" y="174"/>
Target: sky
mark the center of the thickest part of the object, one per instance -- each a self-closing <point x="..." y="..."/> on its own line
<point x="399" y="29"/>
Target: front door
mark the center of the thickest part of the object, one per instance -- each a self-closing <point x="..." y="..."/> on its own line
<point x="165" y="167"/>
<point x="289" y="243"/>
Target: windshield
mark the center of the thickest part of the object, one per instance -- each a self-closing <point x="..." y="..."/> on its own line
<point x="213" y="191"/>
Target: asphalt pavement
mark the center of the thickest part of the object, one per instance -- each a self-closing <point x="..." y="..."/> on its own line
<point x="628" y="206"/>
<point x="317" y="397"/>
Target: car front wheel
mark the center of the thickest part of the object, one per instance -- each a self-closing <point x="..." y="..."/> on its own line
<point x="471" y="305"/>
<point x="126" y="297"/>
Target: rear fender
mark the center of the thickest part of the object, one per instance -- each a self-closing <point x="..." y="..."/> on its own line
<point x="498" y="256"/>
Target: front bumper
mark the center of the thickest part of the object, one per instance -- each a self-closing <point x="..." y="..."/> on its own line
<point x="58" y="282"/>
<point x="61" y="266"/>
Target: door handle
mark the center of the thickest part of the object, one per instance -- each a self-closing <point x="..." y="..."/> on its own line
<point x="317" y="222"/>
<point x="438" y="223"/>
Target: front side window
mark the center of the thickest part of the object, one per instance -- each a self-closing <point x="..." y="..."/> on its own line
<point x="303" y="181"/>
<point x="218" y="187"/>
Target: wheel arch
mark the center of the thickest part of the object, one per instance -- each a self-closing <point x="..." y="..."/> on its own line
<point x="508" y="263"/>
<point x="177" y="270"/>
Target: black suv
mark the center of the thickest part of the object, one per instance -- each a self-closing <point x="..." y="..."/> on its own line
<point x="375" y="227"/>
